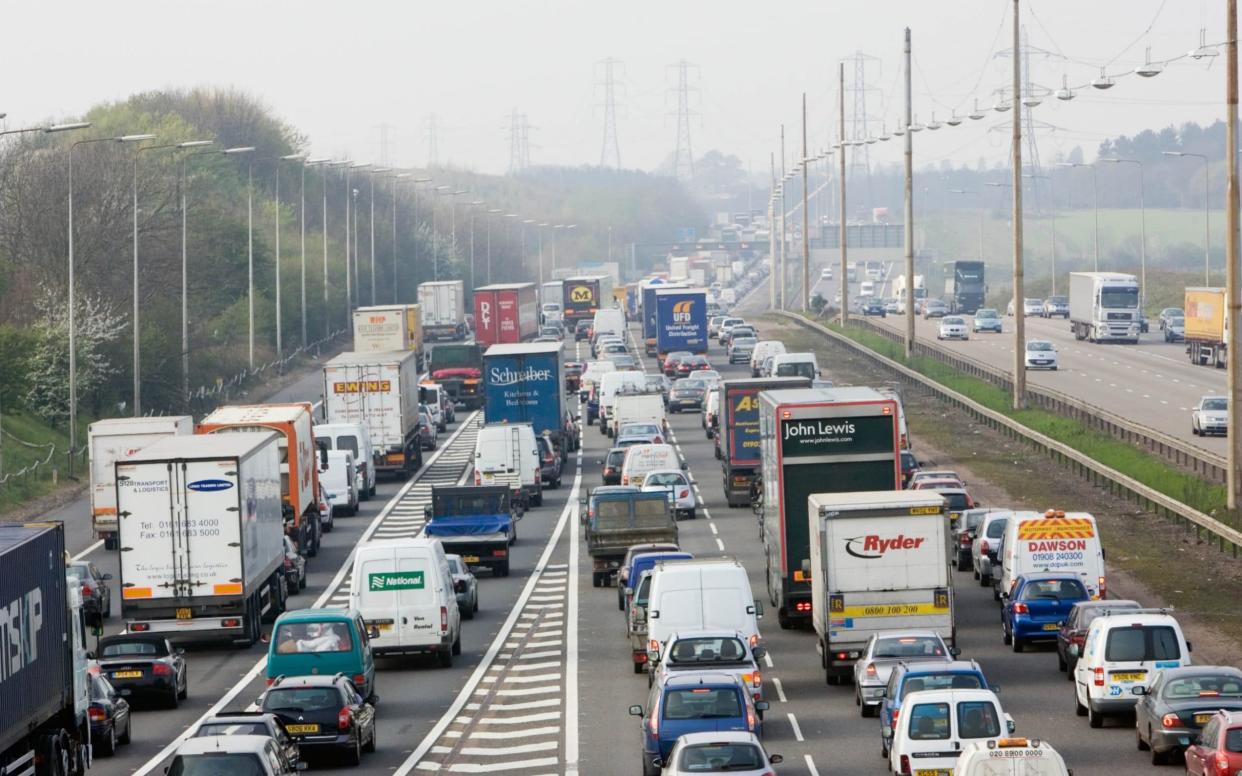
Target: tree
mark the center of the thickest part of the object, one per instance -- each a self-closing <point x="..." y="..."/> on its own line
<point x="96" y="326"/>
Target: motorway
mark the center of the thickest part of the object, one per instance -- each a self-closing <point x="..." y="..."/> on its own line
<point x="544" y="680"/>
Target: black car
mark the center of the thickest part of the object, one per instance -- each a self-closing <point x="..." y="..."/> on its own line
<point x="144" y="665"/>
<point x="96" y="595"/>
<point x="550" y="463"/>
<point x="111" y="723"/>
<point x="251" y="723"/>
<point x="687" y="394"/>
<point x="323" y="712"/>
<point x="612" y="466"/>
<point x="582" y="330"/>
<point x="874" y="306"/>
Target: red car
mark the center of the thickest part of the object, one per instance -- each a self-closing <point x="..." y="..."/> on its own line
<point x="672" y="360"/>
<point x="1218" y="748"/>
<point x="692" y="364"/>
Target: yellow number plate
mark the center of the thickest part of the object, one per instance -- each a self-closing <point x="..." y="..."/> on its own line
<point x="1128" y="676"/>
<point x="470" y="558"/>
<point x="302" y="728"/>
<point x="1051" y="626"/>
<point x="932" y="772"/>
<point x="1203" y="719"/>
<point x="185" y="613"/>
<point x="127" y="675"/>
<point x="383" y="627"/>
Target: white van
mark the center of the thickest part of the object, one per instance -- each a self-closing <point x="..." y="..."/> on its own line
<point x="935" y="725"/>
<point x="591" y="375"/>
<point x="507" y="454"/>
<point x="1053" y="541"/>
<point x="763" y="349"/>
<point x="609" y="321"/>
<point x="612" y="384"/>
<point x="640" y="459"/>
<point x="1010" y="757"/>
<point x="902" y="430"/>
<point x="795" y="365"/>
<point x="429" y="394"/>
<point x="697" y="595"/>
<point x="1119" y="659"/>
<point x="403" y="588"/>
<point x="340" y="477"/>
<point x="355" y="438"/>
<point x="637" y="408"/>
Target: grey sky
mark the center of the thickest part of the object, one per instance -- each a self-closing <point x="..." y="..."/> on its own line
<point x="337" y="70"/>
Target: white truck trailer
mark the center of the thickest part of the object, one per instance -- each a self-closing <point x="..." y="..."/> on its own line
<point x="380" y="392"/>
<point x="111" y="440"/>
<point x="1104" y="307"/>
<point x="443" y="307"/>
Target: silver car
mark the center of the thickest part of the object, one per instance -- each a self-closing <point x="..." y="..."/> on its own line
<point x="883" y="652"/>
<point x="740" y="349"/>
<point x="720" y="651"/>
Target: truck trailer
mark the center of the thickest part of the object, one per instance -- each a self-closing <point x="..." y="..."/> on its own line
<point x="817" y="440"/>
<point x="584" y="295"/>
<point x="1207" y="325"/>
<point x="380" y="392"/>
<point x="522" y="384"/>
<point x="385" y="328"/>
<point x="647" y="309"/>
<point x="964" y="286"/>
<point x="505" y="313"/>
<point x="681" y="320"/>
<point x="442" y="304"/>
<point x="1104" y="307"/>
<point x="740" y="458"/>
<point x="111" y="440"/>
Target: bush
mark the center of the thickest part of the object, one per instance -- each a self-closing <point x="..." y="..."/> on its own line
<point x="16" y="347"/>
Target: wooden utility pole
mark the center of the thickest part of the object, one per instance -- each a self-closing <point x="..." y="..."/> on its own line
<point x="1232" y="273"/>
<point x="1019" y="314"/>
<point x="909" y="213"/>
<point x="845" y="273"/>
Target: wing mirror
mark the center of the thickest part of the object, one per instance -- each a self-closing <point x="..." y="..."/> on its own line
<point x="759" y="651"/>
<point x="323" y="458"/>
<point x="300" y="765"/>
<point x="1010" y="725"/>
<point x="636" y="711"/>
<point x="954" y="651"/>
<point x="776" y="759"/>
<point x="106" y="577"/>
<point x="1073" y="651"/>
<point x="373" y="633"/>
<point x="1139" y="690"/>
<point x="761" y="705"/>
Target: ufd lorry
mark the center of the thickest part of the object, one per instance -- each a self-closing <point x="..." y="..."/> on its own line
<point x="738" y="417"/>
<point x="1104" y="307"/>
<point x="647" y="309"/>
<point x="681" y="320"/>
<point x="1207" y="323"/>
<point x="877" y="564"/>
<point x="817" y="440"/>
<point x="522" y="384"/>
<point x="44" y="727"/>
<point x="378" y="391"/>
<point x="112" y="439"/>
<point x="202" y="537"/>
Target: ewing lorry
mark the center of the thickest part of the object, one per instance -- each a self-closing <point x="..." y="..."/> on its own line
<point x="44" y="727"/>
<point x="1207" y="323"/>
<point x="739" y="431"/>
<point x="505" y="313"/>
<point x="964" y="286"/>
<point x="681" y="320"/>
<point x="615" y="521"/>
<point x="1104" y="307"/>
<point x="385" y="328"/>
<point x="647" y="309"/>
<point x="111" y="440"/>
<point x="877" y="564"/>
<point x="299" y="470"/>
<point x="817" y="440"/>
<point x="522" y="384"/>
<point x="442" y="304"/>
<point x="380" y="392"/>
<point x="202" y="537"/>
<point x="459" y="368"/>
<point x="584" y="295"/>
<point x="475" y="522"/>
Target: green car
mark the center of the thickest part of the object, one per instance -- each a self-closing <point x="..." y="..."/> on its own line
<point x="325" y="642"/>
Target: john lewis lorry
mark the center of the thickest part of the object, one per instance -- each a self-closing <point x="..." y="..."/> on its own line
<point x="109" y="441"/>
<point x="380" y="392"/>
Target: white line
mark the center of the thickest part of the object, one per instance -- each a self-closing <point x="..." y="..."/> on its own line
<point x="797" y="731"/>
<point x="720" y="544"/>
<point x="88" y="550"/>
<point x="780" y="689"/>
<point x="767" y="658"/>
<point x="713" y="527"/>
<point x="810" y="765"/>
<point x="571" y="647"/>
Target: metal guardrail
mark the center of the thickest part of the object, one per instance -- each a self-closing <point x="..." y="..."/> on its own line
<point x="1205" y="464"/>
<point x="1082" y="464"/>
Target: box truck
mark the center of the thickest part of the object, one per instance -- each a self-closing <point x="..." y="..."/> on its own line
<point x="817" y="440"/>
<point x="385" y="328"/>
<point x="679" y="267"/>
<point x="380" y="392"/>
<point x="459" y="368"/>
<point x="202" y="536"/>
<point x="681" y="320"/>
<point x="647" y="309"/>
<point x="522" y="384"/>
<point x="111" y="440"/>
<point x="44" y="727"/>
<point x="299" y="470"/>
<point x="443" y="307"/>
<point x="739" y="432"/>
<point x="584" y="295"/>
<point x="1104" y="307"/>
<point x="1207" y="324"/>
<point x="964" y="286"/>
<point x="505" y="313"/>
<point x="877" y="564"/>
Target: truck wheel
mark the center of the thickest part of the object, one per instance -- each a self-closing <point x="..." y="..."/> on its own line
<point x="595" y="579"/>
<point x="456" y="649"/>
<point x="110" y="542"/>
<point x="503" y="569"/>
<point x="783" y="620"/>
<point x="638" y="667"/>
<point x="538" y="499"/>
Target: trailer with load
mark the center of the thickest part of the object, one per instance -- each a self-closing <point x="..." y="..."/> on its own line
<point x="380" y="392"/>
<point x="585" y="295"/>
<point x="385" y="328"/>
<point x="647" y="309"/>
<point x="1206" y="326"/>
<point x="1104" y="307"/>
<point x="681" y="320"/>
<point x="475" y="522"/>
<point x="522" y="384"/>
<point x="964" y="286"/>
<point x="505" y="313"/>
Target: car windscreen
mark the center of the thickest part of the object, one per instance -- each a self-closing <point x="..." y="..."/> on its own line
<point x="945" y="681"/>
<point x="702" y="703"/>
<point x="231" y="729"/>
<point x="796" y="369"/>
<point x="1203" y="686"/>
<point x="664" y="478"/>
<point x="955" y="501"/>
<point x="1215" y="405"/>
<point x="996" y="528"/>
<point x="348" y="442"/>
<point x="631" y="429"/>
<point x="977" y="719"/>
<point x="1054" y="590"/>
<point x="100" y="688"/>
<point x="706" y="649"/>
<point x="1041" y="347"/>
<point x="304" y="637"/>
<point x="615" y="458"/>
<point x="1142" y="643"/>
<point x="77" y="572"/>
<point x="133" y="648"/>
<point x="302" y="699"/>
<point x="217" y="764"/>
<point x="720" y="758"/>
<point x="482" y="504"/>
<point x="908" y="646"/>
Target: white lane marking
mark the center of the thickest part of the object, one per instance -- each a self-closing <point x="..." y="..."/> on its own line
<point x="810" y="765"/>
<point x="720" y="544"/>
<point x="713" y="527"/>
<point x="88" y="550"/>
<point x="571" y="647"/>
<point x="767" y="658"/>
<point x="707" y="514"/>
<point x="780" y="689"/>
<point x="1164" y="401"/>
<point x="797" y="731"/>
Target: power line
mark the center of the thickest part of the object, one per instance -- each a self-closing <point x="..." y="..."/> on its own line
<point x="860" y="125"/>
<point x="610" y="155"/>
<point x="430" y="132"/>
<point x="683" y="156"/>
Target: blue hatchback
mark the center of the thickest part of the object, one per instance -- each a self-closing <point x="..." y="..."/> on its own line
<point x="640" y="563"/>
<point x="694" y="703"/>
<point x="1037" y="605"/>
<point x="916" y="677"/>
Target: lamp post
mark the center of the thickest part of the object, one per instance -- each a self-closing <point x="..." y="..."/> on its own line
<point x="1207" y="234"/>
<point x="280" y="342"/>
<point x="526" y="221"/>
<point x="1142" y="227"/>
<point x="249" y="250"/>
<point x="46" y="129"/>
<point x="352" y="285"/>
<point x="373" y="171"/>
<point x="73" y="355"/>
<point x="453" y="195"/>
<point x="540" y="234"/>
<point x="393" y="196"/>
<point x="473" y="206"/>
<point x="327" y="320"/>
<point x="510" y="218"/>
<point x="435" y="237"/>
<point x="1095" y="204"/>
<point x="416" y="181"/>
<point x="490" y="212"/>
<point x="1052" y="195"/>
<point x="306" y="163"/>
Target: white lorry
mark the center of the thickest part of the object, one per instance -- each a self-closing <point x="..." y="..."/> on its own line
<point x="899" y="290"/>
<point x="111" y="440"/>
<point x="877" y="564"/>
<point x="1104" y="307"/>
<point x="443" y="306"/>
<point x="202" y="536"/>
<point x="389" y="327"/>
<point x="380" y="392"/>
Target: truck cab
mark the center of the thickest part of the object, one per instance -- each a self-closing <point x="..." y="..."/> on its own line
<point x="458" y="368"/>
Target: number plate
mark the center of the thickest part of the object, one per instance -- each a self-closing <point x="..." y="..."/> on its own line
<point x="383" y="627"/>
<point x="302" y="728"/>
<point x="932" y="772"/>
<point x="1128" y="676"/>
<point x="1202" y="719"/>
<point x="470" y="558"/>
<point x="127" y="675"/>
<point x="184" y="613"/>
<point x="1051" y="626"/>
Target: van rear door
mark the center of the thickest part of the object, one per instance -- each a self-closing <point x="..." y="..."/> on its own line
<point x="418" y="597"/>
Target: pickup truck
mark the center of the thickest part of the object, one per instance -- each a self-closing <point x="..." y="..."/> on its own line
<point x="476" y="522"/>
<point x="618" y="517"/>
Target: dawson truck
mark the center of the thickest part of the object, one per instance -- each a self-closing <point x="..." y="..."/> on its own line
<point x="505" y="313"/>
<point x="584" y="295"/>
<point x="1104" y="307"/>
<point x="386" y="328"/>
<point x="964" y="287"/>
<point x="442" y="304"/>
<point x="299" y="471"/>
<point x="1207" y="323"/>
<point x="739" y="432"/>
<point x="202" y="537"/>
<point x="817" y="440"/>
<point x="459" y="368"/>
<point x="111" y="440"/>
<point x="877" y="564"/>
<point x="380" y="392"/>
<point x="523" y="384"/>
<point x="44" y="727"/>
<point x="681" y="320"/>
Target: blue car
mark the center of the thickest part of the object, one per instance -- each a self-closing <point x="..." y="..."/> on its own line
<point x="694" y="703"/>
<point x="1037" y="605"/>
<point x="592" y="407"/>
<point x="915" y="677"/>
<point x="640" y="563"/>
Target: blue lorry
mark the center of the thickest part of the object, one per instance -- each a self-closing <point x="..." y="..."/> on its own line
<point x="647" y="309"/>
<point x="523" y="383"/>
<point x="476" y="522"/>
<point x="681" y="320"/>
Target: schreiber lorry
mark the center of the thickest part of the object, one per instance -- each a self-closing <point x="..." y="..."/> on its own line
<point x="202" y="537"/>
<point x="817" y="440"/>
<point x="738" y="415"/>
<point x="877" y="564"/>
<point x="475" y="522"/>
<point x="522" y="384"/>
<point x="1104" y="307"/>
<point x="44" y="728"/>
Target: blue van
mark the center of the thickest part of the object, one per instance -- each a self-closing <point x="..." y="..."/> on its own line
<point x="323" y="642"/>
<point x="914" y="677"/>
<point x="639" y="563"/>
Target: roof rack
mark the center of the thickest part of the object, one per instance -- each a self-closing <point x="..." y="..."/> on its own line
<point x="1141" y="610"/>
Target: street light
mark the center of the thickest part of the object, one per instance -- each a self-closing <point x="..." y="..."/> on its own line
<point x="490" y="212"/>
<point x="280" y="342"/>
<point x="473" y="206"/>
<point x="48" y="129"/>
<point x="73" y="356"/>
<point x="1052" y="194"/>
<point x="435" y="237"/>
<point x="249" y="248"/>
<point x="1142" y="226"/>
<point x="317" y="161"/>
<point x="1095" y="202"/>
<point x="373" y="171"/>
<point x="1206" y="224"/>
<point x="352" y="285"/>
<point x="539" y="232"/>
<point x="526" y="221"/>
<point x="393" y="196"/>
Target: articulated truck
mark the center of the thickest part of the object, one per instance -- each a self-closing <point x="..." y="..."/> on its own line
<point x="1207" y="322"/>
<point x="380" y="392"/>
<point x="1104" y="307"/>
<point x="112" y="439"/>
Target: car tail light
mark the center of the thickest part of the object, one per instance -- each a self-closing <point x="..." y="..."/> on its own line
<point x="343" y="718"/>
<point x="653" y="645"/>
<point x="96" y="714"/>
<point x="231" y="622"/>
<point x="270" y="681"/>
<point x="1021" y="608"/>
<point x="683" y="494"/>
<point x="1171" y="721"/>
<point x="754" y="640"/>
<point x="896" y="712"/>
<point x="478" y="478"/>
<point x="659" y="440"/>
<point x="802" y="606"/>
<point x="965" y="540"/>
<point x="139" y="627"/>
<point x="871" y="672"/>
<point x="751" y="721"/>
<point x="905" y="764"/>
<point x="161" y="669"/>
<point x="444" y="619"/>
<point x="1103" y="587"/>
<point x="288" y="563"/>
<point x="86" y="590"/>
<point x="753" y="678"/>
<point x="1099" y="677"/>
<point x="984" y="549"/>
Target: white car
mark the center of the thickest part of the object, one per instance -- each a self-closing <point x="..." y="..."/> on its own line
<point x="257" y="755"/>
<point x="736" y="752"/>
<point x="1211" y="416"/>
<point x="825" y="273"/>
<point x="935" y="724"/>
<point x="1041" y="354"/>
<point x="679" y="487"/>
<point x="727" y="325"/>
<point x="953" y="327"/>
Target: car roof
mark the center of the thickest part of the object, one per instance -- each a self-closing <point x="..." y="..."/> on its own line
<point x="317" y="615"/>
<point x="130" y="638"/>
<point x="926" y="667"/>
<point x="306" y="680"/>
<point x="1120" y="603"/>
<point x="1043" y="575"/>
<point x="952" y="696"/>
<point x="224" y="744"/>
<point x="700" y="679"/>
<point x="897" y="634"/>
<point x="240" y="716"/>
<point x="705" y="634"/>
<point x="1201" y="670"/>
<point x="720" y="736"/>
<point x="1140" y="617"/>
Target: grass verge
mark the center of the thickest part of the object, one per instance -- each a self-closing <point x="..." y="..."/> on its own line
<point x="19" y="490"/>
